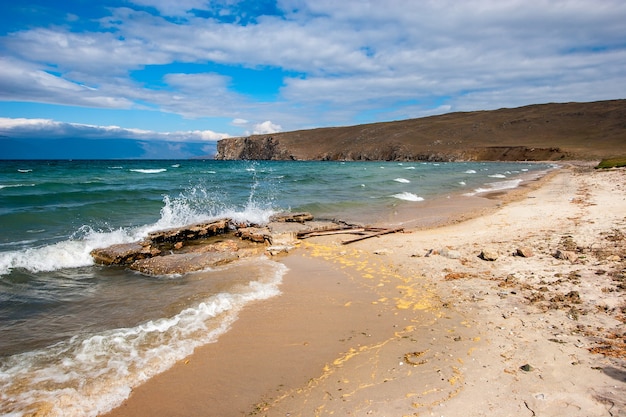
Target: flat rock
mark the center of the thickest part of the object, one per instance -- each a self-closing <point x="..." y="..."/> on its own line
<point x="123" y="253"/>
<point x="181" y="263"/>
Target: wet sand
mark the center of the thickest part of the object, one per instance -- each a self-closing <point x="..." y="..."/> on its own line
<point x="417" y="323"/>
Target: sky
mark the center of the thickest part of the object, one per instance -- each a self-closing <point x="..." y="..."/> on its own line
<point x="168" y="78"/>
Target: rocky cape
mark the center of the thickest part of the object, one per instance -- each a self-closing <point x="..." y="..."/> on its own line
<point x="543" y="132"/>
<point x="204" y="245"/>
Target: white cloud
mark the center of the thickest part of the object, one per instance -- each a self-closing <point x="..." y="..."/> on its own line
<point x="50" y="129"/>
<point x="265" y="128"/>
<point x="351" y="56"/>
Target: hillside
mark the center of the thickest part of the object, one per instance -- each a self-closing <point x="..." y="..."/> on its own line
<point x="537" y="132"/>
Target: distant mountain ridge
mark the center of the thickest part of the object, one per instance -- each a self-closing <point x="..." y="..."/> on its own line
<point x="554" y="131"/>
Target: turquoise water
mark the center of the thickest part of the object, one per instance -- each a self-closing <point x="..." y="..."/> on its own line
<point x="77" y="337"/>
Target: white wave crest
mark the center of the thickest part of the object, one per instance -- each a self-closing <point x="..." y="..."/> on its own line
<point x="408" y="197"/>
<point x="90" y="375"/>
<point x="497" y="186"/>
<point x="149" y="171"/>
<point x="402" y="180"/>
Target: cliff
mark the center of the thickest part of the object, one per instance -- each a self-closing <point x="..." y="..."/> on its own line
<point x="538" y="132"/>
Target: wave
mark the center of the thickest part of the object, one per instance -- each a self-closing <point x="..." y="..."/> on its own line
<point x="497" y="176"/>
<point x="15" y="185"/>
<point x="402" y="180"/>
<point x="74" y="252"/>
<point x="149" y="171"/>
<point x="470" y="171"/>
<point x="91" y="374"/>
<point x="24" y="171"/>
<point x="408" y="197"/>
<point x="497" y="186"/>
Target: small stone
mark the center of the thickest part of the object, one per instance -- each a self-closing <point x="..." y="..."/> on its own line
<point x="450" y="253"/>
<point x="526" y="368"/>
<point x="489" y="255"/>
<point x="566" y="255"/>
<point x="524" y="252"/>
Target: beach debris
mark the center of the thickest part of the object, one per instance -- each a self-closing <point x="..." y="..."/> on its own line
<point x="413" y="358"/>
<point x="488" y="255"/>
<point x="375" y="232"/>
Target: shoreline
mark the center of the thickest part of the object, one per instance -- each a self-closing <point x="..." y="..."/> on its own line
<point x="416" y="323"/>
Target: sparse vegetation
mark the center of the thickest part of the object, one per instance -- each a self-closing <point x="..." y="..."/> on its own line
<point x="612" y="163"/>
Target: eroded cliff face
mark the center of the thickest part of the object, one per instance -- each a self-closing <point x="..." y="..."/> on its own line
<point x="535" y="133"/>
<point x="259" y="148"/>
<point x="269" y="148"/>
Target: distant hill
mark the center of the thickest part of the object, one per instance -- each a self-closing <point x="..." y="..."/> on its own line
<point x="588" y="131"/>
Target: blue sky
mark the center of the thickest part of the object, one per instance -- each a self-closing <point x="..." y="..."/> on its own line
<point x="182" y="74"/>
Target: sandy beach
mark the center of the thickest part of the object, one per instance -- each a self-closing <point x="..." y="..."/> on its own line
<point x="519" y="311"/>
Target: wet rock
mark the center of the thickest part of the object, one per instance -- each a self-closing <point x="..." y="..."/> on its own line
<point x="278" y="249"/>
<point x="292" y="217"/>
<point x="123" y="253"/>
<point x="255" y="234"/>
<point x="191" y="232"/>
<point x="488" y="255"/>
<point x="180" y="263"/>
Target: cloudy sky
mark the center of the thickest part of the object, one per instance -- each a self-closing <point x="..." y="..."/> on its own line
<point x="194" y="71"/>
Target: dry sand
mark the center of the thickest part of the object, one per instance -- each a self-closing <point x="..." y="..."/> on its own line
<point x="417" y="324"/>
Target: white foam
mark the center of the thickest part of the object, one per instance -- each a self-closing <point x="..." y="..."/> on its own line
<point x="90" y="375"/>
<point x="497" y="176"/>
<point x="402" y="180"/>
<point x="409" y="168"/>
<point x="497" y="186"/>
<point x="408" y="197"/>
<point x="149" y="171"/>
<point x="16" y="185"/>
<point x="470" y="171"/>
<point x="24" y="171"/>
<point x="71" y="253"/>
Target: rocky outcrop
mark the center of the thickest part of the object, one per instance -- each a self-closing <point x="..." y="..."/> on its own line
<point x="533" y="133"/>
<point x="204" y="245"/>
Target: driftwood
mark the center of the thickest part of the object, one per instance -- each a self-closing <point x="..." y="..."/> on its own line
<point x="376" y="234"/>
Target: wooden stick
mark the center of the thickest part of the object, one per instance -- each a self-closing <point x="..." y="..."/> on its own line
<point x="304" y="235"/>
<point x="384" y="232"/>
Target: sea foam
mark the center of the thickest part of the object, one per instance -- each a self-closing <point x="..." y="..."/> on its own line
<point x="408" y="197"/>
<point x="91" y="374"/>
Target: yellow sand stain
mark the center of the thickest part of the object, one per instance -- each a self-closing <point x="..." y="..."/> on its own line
<point x="403" y="304"/>
<point x="348" y="304"/>
<point x="459" y="360"/>
<point x="476" y="339"/>
<point x="369" y="276"/>
<point x="470" y="351"/>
